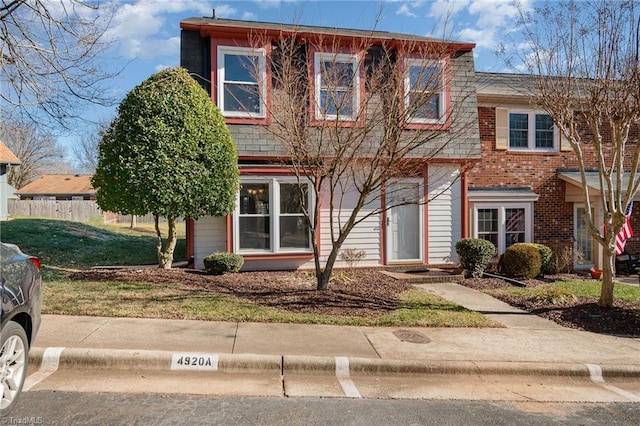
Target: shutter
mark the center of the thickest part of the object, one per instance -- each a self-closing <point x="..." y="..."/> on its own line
<point x="502" y="128"/>
<point x="564" y="142"/>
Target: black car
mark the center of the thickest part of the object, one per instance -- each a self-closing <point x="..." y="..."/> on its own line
<point x="21" y="283"/>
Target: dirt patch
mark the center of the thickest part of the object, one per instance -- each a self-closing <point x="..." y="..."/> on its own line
<point x="368" y="292"/>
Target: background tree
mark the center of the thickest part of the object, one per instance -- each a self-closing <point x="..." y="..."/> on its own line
<point x="85" y="152"/>
<point x="351" y="169"/>
<point x="37" y="150"/>
<point x="168" y="152"/>
<point x="585" y="58"/>
<point x="51" y="57"/>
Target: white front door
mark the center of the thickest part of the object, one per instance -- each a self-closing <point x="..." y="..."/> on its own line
<point x="404" y="222"/>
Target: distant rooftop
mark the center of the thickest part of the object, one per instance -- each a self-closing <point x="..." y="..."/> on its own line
<point x="6" y="156"/>
<point x="59" y="185"/>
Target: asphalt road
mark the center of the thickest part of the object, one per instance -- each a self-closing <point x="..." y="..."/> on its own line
<point x="70" y="408"/>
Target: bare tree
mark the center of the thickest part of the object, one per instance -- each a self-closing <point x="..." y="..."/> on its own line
<point x="37" y="150"/>
<point x="351" y="148"/>
<point x="85" y="152"/>
<point x="585" y="59"/>
<point x="50" y="57"/>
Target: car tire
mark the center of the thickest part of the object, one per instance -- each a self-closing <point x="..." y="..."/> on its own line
<point x="14" y="357"/>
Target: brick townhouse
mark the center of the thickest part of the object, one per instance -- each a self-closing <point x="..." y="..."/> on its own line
<point x="526" y="186"/>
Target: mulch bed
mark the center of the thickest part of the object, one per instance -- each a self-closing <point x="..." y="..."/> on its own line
<point x="584" y="313"/>
<point x="368" y="293"/>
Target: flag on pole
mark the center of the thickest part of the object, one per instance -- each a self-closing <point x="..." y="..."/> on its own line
<point x="625" y="232"/>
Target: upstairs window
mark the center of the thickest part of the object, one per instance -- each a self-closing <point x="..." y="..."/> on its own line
<point x="531" y="131"/>
<point x="424" y="91"/>
<point x="241" y="77"/>
<point x="337" y="83"/>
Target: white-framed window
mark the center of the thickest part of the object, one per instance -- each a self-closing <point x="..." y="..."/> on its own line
<point x="270" y="216"/>
<point x="241" y="77"/>
<point x="503" y="224"/>
<point x="424" y="85"/>
<point x="533" y="131"/>
<point x="337" y="86"/>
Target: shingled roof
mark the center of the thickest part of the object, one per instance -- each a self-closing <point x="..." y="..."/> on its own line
<point x="6" y="156"/>
<point x="59" y="185"/>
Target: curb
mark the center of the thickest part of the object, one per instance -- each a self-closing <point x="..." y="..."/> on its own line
<point x="109" y="359"/>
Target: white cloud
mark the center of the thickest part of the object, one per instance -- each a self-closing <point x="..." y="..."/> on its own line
<point x="148" y="28"/>
<point x="404" y="10"/>
<point x="249" y="16"/>
<point x="161" y="67"/>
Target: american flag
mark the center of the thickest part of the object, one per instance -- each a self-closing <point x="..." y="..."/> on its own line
<point x="625" y="232"/>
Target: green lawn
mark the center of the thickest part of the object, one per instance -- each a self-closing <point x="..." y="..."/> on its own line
<point x="573" y="288"/>
<point x="65" y="244"/>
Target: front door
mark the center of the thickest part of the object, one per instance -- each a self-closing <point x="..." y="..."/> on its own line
<point x="404" y="222"/>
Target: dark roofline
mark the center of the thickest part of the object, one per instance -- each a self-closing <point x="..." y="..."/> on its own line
<point x="237" y="25"/>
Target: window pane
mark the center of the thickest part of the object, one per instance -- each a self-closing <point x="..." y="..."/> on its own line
<point x="424" y="105"/>
<point x="424" y="78"/>
<point x="584" y="241"/>
<point x="518" y="130"/>
<point x="514" y="226"/>
<point x="291" y="200"/>
<point x="254" y="198"/>
<point x="334" y="102"/>
<point x="544" y="131"/>
<point x="337" y="74"/>
<point x="294" y="232"/>
<point x="255" y="233"/>
<point x="242" y="68"/>
<point x="242" y="97"/>
<point x="488" y="225"/>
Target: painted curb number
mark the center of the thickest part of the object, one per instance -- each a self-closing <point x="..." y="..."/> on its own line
<point x="198" y="362"/>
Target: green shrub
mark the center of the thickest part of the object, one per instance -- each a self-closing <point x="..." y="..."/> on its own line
<point x="223" y="263"/>
<point x="546" y="256"/>
<point x="475" y="254"/>
<point x="521" y="261"/>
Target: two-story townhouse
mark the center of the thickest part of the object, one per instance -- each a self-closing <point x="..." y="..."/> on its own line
<point x="526" y="188"/>
<point x="266" y="227"/>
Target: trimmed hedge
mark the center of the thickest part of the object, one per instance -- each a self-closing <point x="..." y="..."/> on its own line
<point x="223" y="263"/>
<point x="475" y="254"/>
<point x="521" y="261"/>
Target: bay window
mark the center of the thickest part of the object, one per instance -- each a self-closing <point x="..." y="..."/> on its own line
<point x="270" y="217"/>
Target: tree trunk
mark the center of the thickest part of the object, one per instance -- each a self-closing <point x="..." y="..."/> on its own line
<point x="323" y="275"/>
<point x="165" y="254"/>
<point x="608" y="268"/>
<point x="134" y="221"/>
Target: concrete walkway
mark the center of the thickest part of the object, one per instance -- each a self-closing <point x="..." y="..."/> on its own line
<point x="520" y="344"/>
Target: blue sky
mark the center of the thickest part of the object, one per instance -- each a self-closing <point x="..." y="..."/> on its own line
<point x="147" y="32"/>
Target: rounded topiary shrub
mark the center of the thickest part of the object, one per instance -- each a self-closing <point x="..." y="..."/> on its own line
<point x="521" y="261"/>
<point x="475" y="254"/>
<point x="546" y="257"/>
<point x="223" y="263"/>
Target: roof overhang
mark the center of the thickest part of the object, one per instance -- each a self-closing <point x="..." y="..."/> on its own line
<point x="592" y="179"/>
<point x="479" y="195"/>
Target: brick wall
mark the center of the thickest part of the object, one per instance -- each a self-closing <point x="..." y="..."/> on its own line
<point x="553" y="217"/>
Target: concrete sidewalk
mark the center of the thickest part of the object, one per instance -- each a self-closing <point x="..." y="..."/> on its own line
<point x="526" y="344"/>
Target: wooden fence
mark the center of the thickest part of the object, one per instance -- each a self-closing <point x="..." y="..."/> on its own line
<point x="77" y="211"/>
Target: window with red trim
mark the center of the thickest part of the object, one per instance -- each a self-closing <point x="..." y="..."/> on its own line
<point x="425" y="91"/>
<point x="241" y="78"/>
<point x="337" y="86"/>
